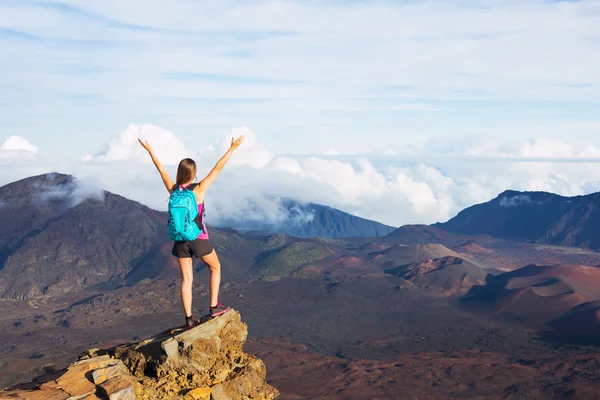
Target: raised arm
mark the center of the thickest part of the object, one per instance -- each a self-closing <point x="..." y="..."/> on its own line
<point x="163" y="172"/>
<point x="210" y="178"/>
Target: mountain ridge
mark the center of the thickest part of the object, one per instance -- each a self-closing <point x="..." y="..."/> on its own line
<point x="60" y="236"/>
<point x="49" y="224"/>
<point x="312" y="220"/>
<point x="537" y="217"/>
<point x="205" y="362"/>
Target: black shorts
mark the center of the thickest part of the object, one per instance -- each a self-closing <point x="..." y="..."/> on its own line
<point x="198" y="248"/>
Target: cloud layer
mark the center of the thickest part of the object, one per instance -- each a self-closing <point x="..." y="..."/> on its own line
<point x="429" y="185"/>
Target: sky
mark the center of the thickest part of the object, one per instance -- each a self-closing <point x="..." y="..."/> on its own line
<point x="400" y="111"/>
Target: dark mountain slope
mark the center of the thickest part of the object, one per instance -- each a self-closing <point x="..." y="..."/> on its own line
<point x="313" y="220"/>
<point x="58" y="236"/>
<point x="421" y="234"/>
<point x="535" y="217"/>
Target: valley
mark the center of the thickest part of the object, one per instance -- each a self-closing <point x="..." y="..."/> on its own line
<point x="418" y="313"/>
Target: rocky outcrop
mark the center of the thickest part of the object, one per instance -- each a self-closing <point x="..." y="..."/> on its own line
<point x="203" y="363"/>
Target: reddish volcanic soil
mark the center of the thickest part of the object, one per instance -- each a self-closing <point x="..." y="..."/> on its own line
<point x="478" y="375"/>
<point x="508" y="256"/>
<point x="540" y="294"/>
<point x="472" y="248"/>
<point x="584" y="317"/>
<point x="376" y="320"/>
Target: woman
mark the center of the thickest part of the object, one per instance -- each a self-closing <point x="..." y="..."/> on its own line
<point x="201" y="247"/>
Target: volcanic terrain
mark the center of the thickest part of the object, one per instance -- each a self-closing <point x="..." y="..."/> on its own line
<point x="419" y="313"/>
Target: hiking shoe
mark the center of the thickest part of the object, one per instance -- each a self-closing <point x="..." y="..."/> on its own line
<point x="219" y="309"/>
<point x="191" y="322"/>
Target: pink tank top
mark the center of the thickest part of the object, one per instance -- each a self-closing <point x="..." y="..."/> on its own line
<point x="204" y="234"/>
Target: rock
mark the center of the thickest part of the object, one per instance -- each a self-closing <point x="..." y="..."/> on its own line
<point x="248" y="383"/>
<point x="200" y="394"/>
<point x="135" y="361"/>
<point x="49" y="385"/>
<point x="101" y="375"/>
<point x="170" y="347"/>
<point x="208" y="353"/>
<point x="119" y="387"/>
<point x="206" y="356"/>
<point x="77" y="381"/>
<point x="203" y="363"/>
<point x="88" y="354"/>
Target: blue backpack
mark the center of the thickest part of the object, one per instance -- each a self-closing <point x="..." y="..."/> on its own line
<point x="184" y="219"/>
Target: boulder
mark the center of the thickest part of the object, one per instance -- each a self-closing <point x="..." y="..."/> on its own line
<point x="119" y="387"/>
<point x="203" y="363"/>
<point x="182" y="361"/>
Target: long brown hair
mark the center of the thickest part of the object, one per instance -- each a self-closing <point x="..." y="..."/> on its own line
<point x="186" y="172"/>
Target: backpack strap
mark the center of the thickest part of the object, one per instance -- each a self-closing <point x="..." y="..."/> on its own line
<point x="189" y="187"/>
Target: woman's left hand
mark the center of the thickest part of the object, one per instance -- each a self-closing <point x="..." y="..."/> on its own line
<point x="235" y="143"/>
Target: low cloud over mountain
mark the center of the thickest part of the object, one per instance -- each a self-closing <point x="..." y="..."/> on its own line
<point x="431" y="183"/>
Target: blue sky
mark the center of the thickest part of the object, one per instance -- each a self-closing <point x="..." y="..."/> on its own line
<point x="306" y="76"/>
<point x="399" y="111"/>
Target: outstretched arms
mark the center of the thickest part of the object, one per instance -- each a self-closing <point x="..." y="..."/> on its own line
<point x="210" y="178"/>
<point x="163" y="172"/>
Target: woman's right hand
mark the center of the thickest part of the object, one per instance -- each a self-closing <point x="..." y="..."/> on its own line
<point x="145" y="145"/>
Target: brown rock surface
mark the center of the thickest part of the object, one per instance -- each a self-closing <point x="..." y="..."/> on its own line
<point x="249" y="383"/>
<point x="200" y="394"/>
<point x="102" y="375"/>
<point x="208" y="356"/>
<point x="119" y="387"/>
<point x="206" y="362"/>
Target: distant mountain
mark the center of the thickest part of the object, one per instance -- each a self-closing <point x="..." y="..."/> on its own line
<point x="312" y="220"/>
<point x="420" y="234"/>
<point x="537" y="217"/>
<point x="58" y="236"/>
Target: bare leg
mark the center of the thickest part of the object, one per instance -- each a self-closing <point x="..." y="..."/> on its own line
<point x="215" y="276"/>
<point x="187" y="275"/>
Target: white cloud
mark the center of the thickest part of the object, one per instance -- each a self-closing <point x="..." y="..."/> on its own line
<point x="251" y="153"/>
<point x="408" y="150"/>
<point x="286" y="164"/>
<point x="73" y="193"/>
<point x="551" y="148"/>
<point x="515" y="201"/>
<point x="16" y="146"/>
<point x="125" y="146"/>
<point x="491" y="147"/>
<point x="331" y="152"/>
<point x="428" y="186"/>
